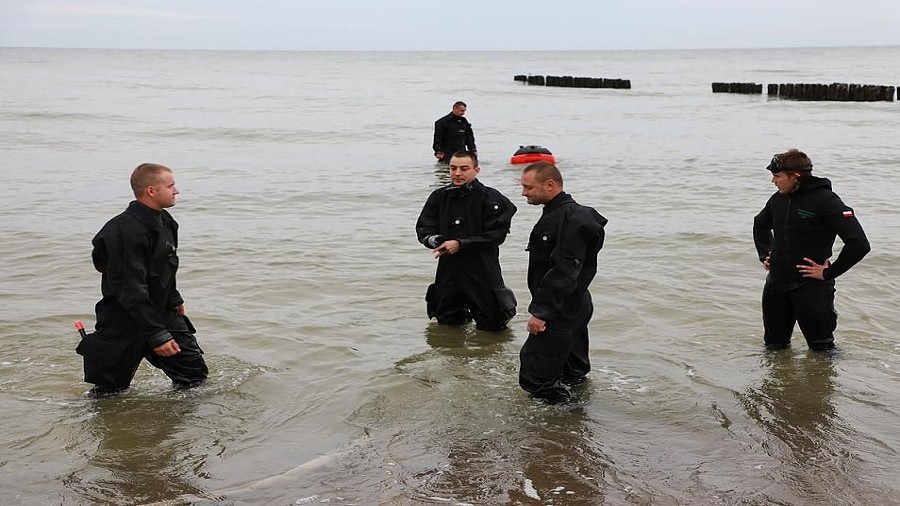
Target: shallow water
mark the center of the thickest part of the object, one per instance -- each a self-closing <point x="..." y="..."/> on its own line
<point x="302" y="175"/>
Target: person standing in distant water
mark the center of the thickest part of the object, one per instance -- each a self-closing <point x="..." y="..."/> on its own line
<point x="562" y="261"/>
<point x="453" y="133"/>
<point x="141" y="314"/>
<point x="464" y="224"/>
<point x="794" y="236"/>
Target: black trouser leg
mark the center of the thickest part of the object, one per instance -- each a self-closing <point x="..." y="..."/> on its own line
<point x="187" y="367"/>
<point x="452" y="311"/>
<point x="116" y="376"/>
<point x="541" y="362"/>
<point x="492" y="308"/>
<point x="447" y="303"/>
<point x="778" y="319"/>
<point x="816" y="316"/>
<point x="578" y="364"/>
<point x="558" y="354"/>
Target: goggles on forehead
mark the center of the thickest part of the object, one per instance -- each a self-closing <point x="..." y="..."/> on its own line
<point x="776" y="166"/>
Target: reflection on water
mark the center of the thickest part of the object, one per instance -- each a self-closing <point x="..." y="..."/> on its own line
<point x="793" y="402"/>
<point x="456" y="427"/>
<point x="141" y="455"/>
<point x="561" y="459"/>
<point x="466" y="340"/>
<point x="441" y="174"/>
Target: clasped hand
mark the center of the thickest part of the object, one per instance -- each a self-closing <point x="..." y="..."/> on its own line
<point x="446" y="248"/>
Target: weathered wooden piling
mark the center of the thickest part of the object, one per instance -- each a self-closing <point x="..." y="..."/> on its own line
<point x="575" y="82"/>
<point x="745" y="88"/>
<point x="834" y="92"/>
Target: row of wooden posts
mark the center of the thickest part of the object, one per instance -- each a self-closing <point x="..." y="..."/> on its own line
<point x="837" y="92"/>
<point x="840" y="92"/>
<point x="575" y="82"/>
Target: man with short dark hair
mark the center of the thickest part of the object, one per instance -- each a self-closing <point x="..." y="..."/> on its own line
<point x="464" y="224"/>
<point x="141" y="314"/>
<point x="453" y="133"/>
<point x="562" y="262"/>
<point x="794" y="235"/>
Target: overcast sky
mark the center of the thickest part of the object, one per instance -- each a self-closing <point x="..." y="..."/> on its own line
<point x="448" y="25"/>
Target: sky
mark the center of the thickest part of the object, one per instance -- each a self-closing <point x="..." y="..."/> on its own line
<point x="447" y="25"/>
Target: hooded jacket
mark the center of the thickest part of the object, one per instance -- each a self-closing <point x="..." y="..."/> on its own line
<point x="804" y="224"/>
<point x="562" y="257"/>
<point x="136" y="253"/>
<point x="453" y="133"/>
<point x="476" y="215"/>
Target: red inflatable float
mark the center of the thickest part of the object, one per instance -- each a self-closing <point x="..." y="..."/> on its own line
<point x="531" y="154"/>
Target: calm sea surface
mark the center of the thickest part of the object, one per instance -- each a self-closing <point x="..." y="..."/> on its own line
<point x="301" y="176"/>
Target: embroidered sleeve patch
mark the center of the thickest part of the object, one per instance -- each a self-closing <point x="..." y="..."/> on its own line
<point x="848" y="214"/>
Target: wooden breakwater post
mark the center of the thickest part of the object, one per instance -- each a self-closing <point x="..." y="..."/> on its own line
<point x="745" y="88"/>
<point x="834" y="92"/>
<point x="575" y="82"/>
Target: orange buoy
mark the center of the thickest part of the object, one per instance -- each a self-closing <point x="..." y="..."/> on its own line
<point x="531" y="154"/>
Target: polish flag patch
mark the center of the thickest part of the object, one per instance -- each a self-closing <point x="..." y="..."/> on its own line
<point x="848" y="214"/>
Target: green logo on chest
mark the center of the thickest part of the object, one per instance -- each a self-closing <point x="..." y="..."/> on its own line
<point x="804" y="214"/>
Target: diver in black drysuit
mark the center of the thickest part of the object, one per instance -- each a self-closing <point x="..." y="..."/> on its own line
<point x="453" y="133"/>
<point x="562" y="262"/>
<point x="468" y="284"/>
<point x="794" y="226"/>
<point x="136" y="253"/>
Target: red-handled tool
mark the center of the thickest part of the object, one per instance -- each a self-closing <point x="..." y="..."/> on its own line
<point x="80" y="327"/>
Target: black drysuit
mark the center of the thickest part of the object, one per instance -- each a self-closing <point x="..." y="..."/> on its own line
<point x="136" y="253"/>
<point x="562" y="261"/>
<point x="451" y="134"/>
<point x="468" y="284"/>
<point x="794" y="226"/>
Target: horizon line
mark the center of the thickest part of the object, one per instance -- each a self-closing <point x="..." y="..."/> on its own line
<point x="320" y="50"/>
